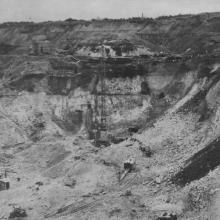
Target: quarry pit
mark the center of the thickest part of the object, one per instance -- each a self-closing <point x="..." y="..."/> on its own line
<point x="110" y="119"/>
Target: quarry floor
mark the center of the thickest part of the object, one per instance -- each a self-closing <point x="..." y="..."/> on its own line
<point x="64" y="176"/>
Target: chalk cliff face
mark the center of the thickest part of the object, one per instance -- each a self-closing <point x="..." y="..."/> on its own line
<point x="149" y="83"/>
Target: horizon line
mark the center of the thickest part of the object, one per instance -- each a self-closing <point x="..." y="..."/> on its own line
<point x="109" y="18"/>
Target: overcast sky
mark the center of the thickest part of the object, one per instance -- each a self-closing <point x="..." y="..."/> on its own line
<point x="44" y="10"/>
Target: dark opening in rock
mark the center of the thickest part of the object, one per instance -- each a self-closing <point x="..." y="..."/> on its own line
<point x="161" y="95"/>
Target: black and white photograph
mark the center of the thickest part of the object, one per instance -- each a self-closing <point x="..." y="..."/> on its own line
<point x="109" y="110"/>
